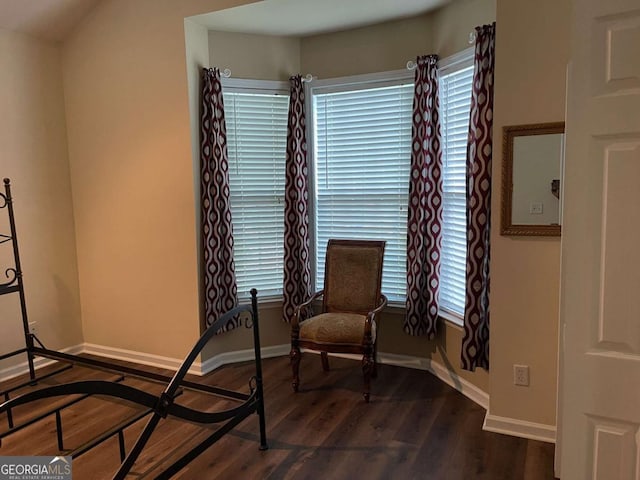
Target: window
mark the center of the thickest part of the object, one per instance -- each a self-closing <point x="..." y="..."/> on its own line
<point x="455" y="102"/>
<point x="362" y="151"/>
<point x="256" y="140"/>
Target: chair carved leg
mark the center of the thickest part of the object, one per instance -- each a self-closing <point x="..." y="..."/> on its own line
<point x="325" y="361"/>
<point x="374" y="372"/>
<point x="367" y="370"/>
<point x="294" y="355"/>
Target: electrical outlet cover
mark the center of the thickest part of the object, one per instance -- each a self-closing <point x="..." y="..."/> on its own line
<point x="521" y="375"/>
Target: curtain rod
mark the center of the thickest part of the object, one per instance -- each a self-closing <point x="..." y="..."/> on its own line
<point x="412" y="65"/>
<point x="226" y="73"/>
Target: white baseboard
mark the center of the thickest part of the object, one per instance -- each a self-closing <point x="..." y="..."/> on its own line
<point x="159" y="361"/>
<point x="242" y="356"/>
<point x="520" y="428"/>
<point x="452" y="379"/>
<point x="149" y="359"/>
<point x="38" y="362"/>
<point x="202" y="368"/>
<point x="197" y="368"/>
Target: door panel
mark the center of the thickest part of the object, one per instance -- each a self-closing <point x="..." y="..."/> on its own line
<point x="599" y="410"/>
<point x="618" y="322"/>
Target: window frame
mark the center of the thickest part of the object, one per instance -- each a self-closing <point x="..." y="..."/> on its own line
<point x="449" y="65"/>
<point x="264" y="87"/>
<point x="336" y="85"/>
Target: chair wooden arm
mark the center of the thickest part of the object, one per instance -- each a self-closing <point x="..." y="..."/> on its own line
<point x="296" y="312"/>
<point x="371" y="315"/>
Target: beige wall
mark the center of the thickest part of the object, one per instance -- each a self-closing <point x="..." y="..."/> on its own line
<point x="452" y="24"/>
<point x="532" y="51"/>
<point x="389" y="45"/>
<point x="377" y="48"/>
<point x="273" y="332"/>
<point x="259" y="57"/>
<point x="197" y="58"/>
<point x="445" y="349"/>
<point x="132" y="174"/>
<point x="33" y="154"/>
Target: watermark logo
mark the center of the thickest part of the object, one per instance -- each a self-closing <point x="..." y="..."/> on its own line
<point x="35" y="468"/>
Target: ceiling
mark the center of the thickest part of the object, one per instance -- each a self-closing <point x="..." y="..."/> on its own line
<point x="53" y="20"/>
<point x="309" y="17"/>
<point x="49" y="20"/>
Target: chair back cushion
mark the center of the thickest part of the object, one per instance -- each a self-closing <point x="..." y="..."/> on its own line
<point x="353" y="275"/>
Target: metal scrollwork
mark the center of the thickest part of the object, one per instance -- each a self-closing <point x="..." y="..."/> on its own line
<point x="5" y="201"/>
<point x="12" y="275"/>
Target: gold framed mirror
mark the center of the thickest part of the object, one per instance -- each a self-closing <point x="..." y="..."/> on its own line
<point x="531" y="179"/>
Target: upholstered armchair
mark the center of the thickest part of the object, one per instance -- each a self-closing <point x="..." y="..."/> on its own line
<point x="351" y="305"/>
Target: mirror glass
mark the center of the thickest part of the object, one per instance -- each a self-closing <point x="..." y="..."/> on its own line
<point x="531" y="179"/>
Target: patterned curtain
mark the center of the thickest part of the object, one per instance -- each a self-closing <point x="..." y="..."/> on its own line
<point x="217" y="231"/>
<point x="424" y="227"/>
<point x="475" y="343"/>
<point x="297" y="267"/>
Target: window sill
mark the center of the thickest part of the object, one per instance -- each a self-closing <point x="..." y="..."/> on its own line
<point x="451" y="318"/>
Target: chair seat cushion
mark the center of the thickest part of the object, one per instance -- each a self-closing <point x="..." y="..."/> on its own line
<point x="336" y="328"/>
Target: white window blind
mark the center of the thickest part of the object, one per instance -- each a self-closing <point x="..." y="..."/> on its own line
<point x="455" y="102"/>
<point x="362" y="152"/>
<point x="256" y="142"/>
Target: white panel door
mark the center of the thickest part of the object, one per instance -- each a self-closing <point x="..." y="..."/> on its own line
<point x="599" y="414"/>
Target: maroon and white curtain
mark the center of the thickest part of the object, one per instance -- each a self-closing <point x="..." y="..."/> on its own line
<point x="220" y="289"/>
<point x="475" y="342"/>
<point x="297" y="266"/>
<point x="424" y="227"/>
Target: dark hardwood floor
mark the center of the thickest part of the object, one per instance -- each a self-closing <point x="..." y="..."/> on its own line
<point x="415" y="427"/>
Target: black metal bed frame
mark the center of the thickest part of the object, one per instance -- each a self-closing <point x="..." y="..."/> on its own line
<point x="157" y="407"/>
